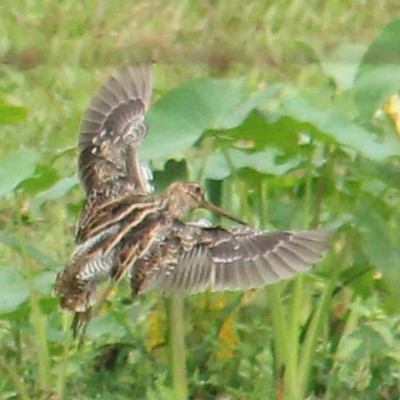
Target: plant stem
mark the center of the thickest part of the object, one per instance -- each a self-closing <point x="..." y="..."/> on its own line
<point x="292" y="359"/>
<point x="62" y="371"/>
<point x="43" y="358"/>
<point x="39" y="327"/>
<point x="310" y="342"/>
<point x="37" y="318"/>
<point x="278" y="320"/>
<point x="177" y="346"/>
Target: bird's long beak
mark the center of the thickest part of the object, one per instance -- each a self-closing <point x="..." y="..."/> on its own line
<point x="210" y="206"/>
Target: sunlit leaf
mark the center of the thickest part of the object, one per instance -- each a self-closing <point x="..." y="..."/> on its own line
<point x="181" y="116"/>
<point x="15" y="168"/>
<point x="342" y="64"/>
<point x="379" y="73"/>
<point x="13" y="289"/>
<point x="236" y="116"/>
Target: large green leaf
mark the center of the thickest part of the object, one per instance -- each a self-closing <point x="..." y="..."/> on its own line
<point x="15" y="168"/>
<point x="342" y="64"/>
<point x="13" y="289"/>
<point x="44" y="177"/>
<point x="338" y="128"/>
<point x="379" y="73"/>
<point x="181" y="116"/>
<point x="380" y="241"/>
<point x="219" y="165"/>
<point x="268" y="130"/>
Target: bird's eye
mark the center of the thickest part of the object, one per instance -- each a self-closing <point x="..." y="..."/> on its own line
<point x="198" y="190"/>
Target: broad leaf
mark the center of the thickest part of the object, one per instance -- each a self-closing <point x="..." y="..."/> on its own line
<point x="15" y="168"/>
<point x="222" y="164"/>
<point x="379" y="73"/>
<point x="13" y="289"/>
<point x="338" y="128"/>
<point x="267" y="130"/>
<point x="342" y="64"/>
<point x="44" y="177"/>
<point x="181" y="116"/>
<point x="381" y="242"/>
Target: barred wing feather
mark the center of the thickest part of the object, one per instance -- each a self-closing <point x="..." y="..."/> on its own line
<point x="240" y="258"/>
<point x="112" y="129"/>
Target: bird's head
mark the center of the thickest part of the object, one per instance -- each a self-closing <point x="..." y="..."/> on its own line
<point x="183" y="197"/>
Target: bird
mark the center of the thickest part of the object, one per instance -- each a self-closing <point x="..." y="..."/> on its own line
<point x="124" y="230"/>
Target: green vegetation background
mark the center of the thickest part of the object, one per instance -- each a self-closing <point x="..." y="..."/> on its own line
<point x="309" y="137"/>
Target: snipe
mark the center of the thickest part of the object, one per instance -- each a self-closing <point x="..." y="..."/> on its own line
<point x="124" y="230"/>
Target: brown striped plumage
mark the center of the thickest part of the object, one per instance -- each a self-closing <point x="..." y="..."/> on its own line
<point x="124" y="230"/>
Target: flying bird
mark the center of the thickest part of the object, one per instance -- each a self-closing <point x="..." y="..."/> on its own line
<point x="126" y="231"/>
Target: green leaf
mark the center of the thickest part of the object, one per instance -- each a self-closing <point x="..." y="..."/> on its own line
<point x="57" y="191"/>
<point x="43" y="178"/>
<point x="238" y="113"/>
<point x="44" y="282"/>
<point x="13" y="289"/>
<point x="15" y="168"/>
<point x="379" y="74"/>
<point x="381" y="242"/>
<point x="342" y="64"/>
<point x="220" y="165"/>
<point x="268" y="131"/>
<point x="338" y="128"/>
<point x="11" y="114"/>
<point x="181" y="116"/>
<point x="105" y="325"/>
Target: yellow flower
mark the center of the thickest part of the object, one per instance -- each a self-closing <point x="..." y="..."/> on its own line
<point x="228" y="339"/>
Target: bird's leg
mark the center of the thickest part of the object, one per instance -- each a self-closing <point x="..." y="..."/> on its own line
<point x="81" y="321"/>
<point x="80" y="324"/>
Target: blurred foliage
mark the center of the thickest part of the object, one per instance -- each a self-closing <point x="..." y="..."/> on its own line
<point x="315" y="143"/>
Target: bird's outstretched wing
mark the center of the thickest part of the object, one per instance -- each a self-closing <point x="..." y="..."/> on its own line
<point x="219" y="259"/>
<point x="112" y="129"/>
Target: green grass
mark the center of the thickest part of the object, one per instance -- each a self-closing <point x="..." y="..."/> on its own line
<point x="53" y="56"/>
